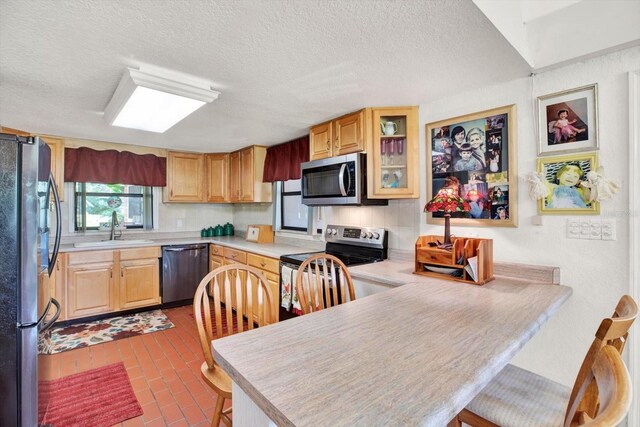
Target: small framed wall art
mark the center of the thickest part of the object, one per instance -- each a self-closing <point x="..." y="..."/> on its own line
<point x="568" y="121"/>
<point x="565" y="178"/>
<point x="478" y="149"/>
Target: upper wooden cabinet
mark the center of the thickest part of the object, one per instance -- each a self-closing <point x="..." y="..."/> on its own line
<point x="57" y="162"/>
<point x="185" y="177"/>
<point x="245" y="176"/>
<point x="217" y="167"/>
<point x="57" y="156"/>
<point x="320" y="137"/>
<point x="217" y="177"/>
<point x="393" y="154"/>
<point x="343" y="135"/>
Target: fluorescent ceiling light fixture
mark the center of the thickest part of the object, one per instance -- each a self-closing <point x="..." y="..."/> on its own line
<point x="155" y="99"/>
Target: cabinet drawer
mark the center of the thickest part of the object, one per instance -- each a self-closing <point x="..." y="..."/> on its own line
<point x="216" y="250"/>
<point x="75" y="258"/>
<point x="235" y="255"/>
<point x="140" y="253"/>
<point x="263" y="262"/>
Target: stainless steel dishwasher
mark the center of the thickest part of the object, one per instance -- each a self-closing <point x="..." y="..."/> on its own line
<point x="183" y="267"/>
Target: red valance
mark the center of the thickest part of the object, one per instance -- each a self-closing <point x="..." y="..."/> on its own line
<point x="114" y="167"/>
<point x="283" y="161"/>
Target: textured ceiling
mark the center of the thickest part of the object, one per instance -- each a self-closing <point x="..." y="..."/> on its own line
<point x="280" y="66"/>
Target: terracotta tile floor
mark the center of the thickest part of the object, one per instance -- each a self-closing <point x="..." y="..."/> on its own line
<point x="164" y="369"/>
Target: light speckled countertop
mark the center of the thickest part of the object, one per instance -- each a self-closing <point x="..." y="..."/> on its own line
<point x="274" y="250"/>
<point x="414" y="355"/>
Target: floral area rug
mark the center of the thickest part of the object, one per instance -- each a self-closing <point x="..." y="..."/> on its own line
<point x="64" y="338"/>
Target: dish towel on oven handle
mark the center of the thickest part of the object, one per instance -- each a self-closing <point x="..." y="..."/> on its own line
<point x="285" y="293"/>
<point x="295" y="301"/>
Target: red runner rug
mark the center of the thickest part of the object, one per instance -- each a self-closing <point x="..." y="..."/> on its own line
<point x="99" y="397"/>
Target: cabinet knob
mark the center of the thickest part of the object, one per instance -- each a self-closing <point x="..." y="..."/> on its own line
<point x="262" y="264"/>
<point x="122" y="272"/>
<point x="328" y="145"/>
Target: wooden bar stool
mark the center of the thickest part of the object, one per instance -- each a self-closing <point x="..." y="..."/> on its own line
<point x="600" y="396"/>
<point x="239" y="302"/>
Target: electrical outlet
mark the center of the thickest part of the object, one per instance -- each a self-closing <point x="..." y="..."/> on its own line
<point x="595" y="229"/>
<point x="585" y="229"/>
<point x="180" y="223"/>
<point x="609" y="229"/>
<point x="573" y="229"/>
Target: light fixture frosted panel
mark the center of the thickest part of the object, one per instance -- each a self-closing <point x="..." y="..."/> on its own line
<point x="154" y="99"/>
<point x="155" y="111"/>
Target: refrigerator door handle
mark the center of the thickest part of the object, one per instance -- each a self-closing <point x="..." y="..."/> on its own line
<point x="56" y="245"/>
<point x="44" y="326"/>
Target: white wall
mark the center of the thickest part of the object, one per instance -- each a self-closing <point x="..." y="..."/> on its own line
<point x="596" y="270"/>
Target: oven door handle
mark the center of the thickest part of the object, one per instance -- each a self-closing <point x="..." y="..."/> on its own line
<point x="343" y="191"/>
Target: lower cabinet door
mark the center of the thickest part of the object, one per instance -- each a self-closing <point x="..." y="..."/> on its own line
<point x="232" y="282"/>
<point x="90" y="290"/>
<point x="216" y="262"/>
<point x="139" y="283"/>
<point x="273" y="280"/>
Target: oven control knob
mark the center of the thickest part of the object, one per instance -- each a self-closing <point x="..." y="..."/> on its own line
<point x="369" y="234"/>
<point x="334" y="231"/>
<point x="363" y="234"/>
<point x="376" y="235"/>
<point x="328" y="231"/>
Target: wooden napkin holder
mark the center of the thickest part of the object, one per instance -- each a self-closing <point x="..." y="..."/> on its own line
<point x="259" y="233"/>
<point x="455" y="260"/>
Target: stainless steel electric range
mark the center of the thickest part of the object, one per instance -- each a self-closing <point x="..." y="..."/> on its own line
<point x="352" y="245"/>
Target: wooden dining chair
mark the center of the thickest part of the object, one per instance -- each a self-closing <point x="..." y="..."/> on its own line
<point x="323" y="281"/>
<point x="250" y="295"/>
<point x="520" y="398"/>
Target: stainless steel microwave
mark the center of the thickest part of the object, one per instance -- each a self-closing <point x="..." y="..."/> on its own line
<point x="340" y="180"/>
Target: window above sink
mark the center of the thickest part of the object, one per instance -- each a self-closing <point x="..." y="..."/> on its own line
<point x="95" y="204"/>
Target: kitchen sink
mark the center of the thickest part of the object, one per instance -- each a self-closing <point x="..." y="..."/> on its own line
<point x="110" y="243"/>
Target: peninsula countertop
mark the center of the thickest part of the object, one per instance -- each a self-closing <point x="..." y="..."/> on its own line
<point x="414" y="355"/>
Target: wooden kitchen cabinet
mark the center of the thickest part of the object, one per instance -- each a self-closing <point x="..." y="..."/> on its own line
<point x="185" y="177"/>
<point x="246" y="167"/>
<point x="217" y="166"/>
<point x="393" y="154"/>
<point x="99" y="282"/>
<point x="320" y="138"/>
<point x="57" y="162"/>
<point x="234" y="256"/>
<point x="216" y="260"/>
<point x="90" y="284"/>
<point x="341" y="136"/>
<point x="139" y="278"/>
<point x="270" y="268"/>
<point x="57" y="156"/>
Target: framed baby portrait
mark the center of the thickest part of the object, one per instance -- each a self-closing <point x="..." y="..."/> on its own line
<point x="479" y="151"/>
<point x="568" y="121"/>
<point x="564" y="177"/>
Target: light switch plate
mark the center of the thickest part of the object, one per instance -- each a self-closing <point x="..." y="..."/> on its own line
<point x="609" y="229"/>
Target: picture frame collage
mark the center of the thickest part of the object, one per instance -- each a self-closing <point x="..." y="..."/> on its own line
<point x="480" y="151"/>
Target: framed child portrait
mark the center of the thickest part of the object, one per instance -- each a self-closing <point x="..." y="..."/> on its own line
<point x="568" y="121"/>
<point x="479" y="150"/>
<point x="564" y="177"/>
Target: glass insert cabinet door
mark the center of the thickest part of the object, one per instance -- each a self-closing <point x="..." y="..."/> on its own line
<point x="393" y="168"/>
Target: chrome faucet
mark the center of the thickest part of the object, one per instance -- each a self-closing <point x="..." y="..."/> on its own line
<point x="114" y="224"/>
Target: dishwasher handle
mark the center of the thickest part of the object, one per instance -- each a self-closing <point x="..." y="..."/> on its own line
<point x="190" y="248"/>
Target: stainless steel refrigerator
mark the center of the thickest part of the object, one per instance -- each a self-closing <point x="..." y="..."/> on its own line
<point x="26" y="260"/>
